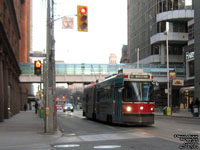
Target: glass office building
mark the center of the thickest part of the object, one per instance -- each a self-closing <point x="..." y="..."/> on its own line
<point x="146" y="32"/>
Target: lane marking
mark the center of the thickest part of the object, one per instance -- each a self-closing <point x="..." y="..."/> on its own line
<point x="107" y="146"/>
<point x="66" y="145"/>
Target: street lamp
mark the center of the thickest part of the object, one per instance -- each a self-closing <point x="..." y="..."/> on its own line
<point x="138" y="56"/>
<point x="168" y="88"/>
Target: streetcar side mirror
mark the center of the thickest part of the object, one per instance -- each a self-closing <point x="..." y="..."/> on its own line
<point x="120" y="89"/>
<point x="156" y="85"/>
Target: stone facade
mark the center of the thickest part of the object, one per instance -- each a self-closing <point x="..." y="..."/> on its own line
<point x="13" y="23"/>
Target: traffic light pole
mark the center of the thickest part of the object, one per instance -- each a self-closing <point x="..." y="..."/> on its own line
<point x="50" y="113"/>
<point x="53" y="71"/>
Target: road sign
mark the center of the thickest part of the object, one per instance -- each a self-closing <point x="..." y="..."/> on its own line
<point x="68" y="23"/>
<point x="178" y="82"/>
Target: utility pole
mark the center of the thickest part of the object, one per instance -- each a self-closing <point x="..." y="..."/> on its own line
<point x="50" y="112"/>
<point x="138" y="57"/>
<point x="53" y="69"/>
<point x="168" y="81"/>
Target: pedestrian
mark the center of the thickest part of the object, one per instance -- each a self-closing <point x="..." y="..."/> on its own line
<point x="25" y="107"/>
<point x="191" y="106"/>
<point x="36" y="107"/>
<point x="196" y="102"/>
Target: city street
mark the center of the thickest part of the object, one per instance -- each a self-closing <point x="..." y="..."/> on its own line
<point x="83" y="134"/>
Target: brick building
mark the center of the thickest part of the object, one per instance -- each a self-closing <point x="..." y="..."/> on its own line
<point x="15" y="42"/>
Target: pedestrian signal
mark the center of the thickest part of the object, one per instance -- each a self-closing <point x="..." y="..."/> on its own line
<point x="37" y="67"/>
<point x="82" y="18"/>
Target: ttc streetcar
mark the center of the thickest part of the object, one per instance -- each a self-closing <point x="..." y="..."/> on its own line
<point x="123" y="98"/>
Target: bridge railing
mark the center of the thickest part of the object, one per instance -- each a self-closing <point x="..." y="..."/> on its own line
<point x="103" y="69"/>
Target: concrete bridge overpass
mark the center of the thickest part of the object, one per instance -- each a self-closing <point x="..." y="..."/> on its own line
<point x="87" y="73"/>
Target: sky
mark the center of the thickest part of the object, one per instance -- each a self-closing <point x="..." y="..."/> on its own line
<point x="107" y="30"/>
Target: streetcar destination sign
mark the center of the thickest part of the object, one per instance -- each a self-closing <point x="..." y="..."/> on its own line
<point x="132" y="76"/>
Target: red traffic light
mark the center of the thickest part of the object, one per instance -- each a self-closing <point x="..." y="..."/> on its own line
<point x="82" y="18"/>
<point x="38" y="64"/>
<point x="83" y="10"/>
<point x="37" y="67"/>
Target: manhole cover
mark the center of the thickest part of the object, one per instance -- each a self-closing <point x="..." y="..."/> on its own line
<point x="107" y="146"/>
<point x="66" y="145"/>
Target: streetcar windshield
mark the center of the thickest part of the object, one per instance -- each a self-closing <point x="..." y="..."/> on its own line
<point x="137" y="91"/>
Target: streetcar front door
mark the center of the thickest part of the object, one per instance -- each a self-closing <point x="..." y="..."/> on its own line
<point x="118" y="104"/>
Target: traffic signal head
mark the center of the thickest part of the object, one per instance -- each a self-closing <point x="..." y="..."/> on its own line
<point x="82" y="18"/>
<point x="37" y="67"/>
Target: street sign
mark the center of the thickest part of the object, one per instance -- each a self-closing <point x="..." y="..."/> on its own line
<point x="68" y="23"/>
<point x="178" y="82"/>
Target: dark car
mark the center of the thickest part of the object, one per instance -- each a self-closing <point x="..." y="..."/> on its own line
<point x="68" y="107"/>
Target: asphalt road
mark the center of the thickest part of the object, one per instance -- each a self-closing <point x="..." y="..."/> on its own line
<point x="167" y="133"/>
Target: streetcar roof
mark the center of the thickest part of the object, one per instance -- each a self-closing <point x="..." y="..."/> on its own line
<point x="128" y="75"/>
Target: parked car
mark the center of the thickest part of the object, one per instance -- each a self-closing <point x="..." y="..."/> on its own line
<point x="68" y="107"/>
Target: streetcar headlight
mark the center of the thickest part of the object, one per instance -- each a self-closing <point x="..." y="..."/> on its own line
<point x="128" y="108"/>
<point x="152" y="108"/>
<point x="141" y="107"/>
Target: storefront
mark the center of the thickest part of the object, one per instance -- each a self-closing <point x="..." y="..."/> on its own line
<point x="186" y="96"/>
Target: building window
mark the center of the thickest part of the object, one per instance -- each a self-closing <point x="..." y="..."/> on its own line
<point x="188" y="4"/>
<point x="161" y="26"/>
<point x="180" y="27"/>
<point x="160" y="6"/>
<point x="191" y="32"/>
<point x="173" y="27"/>
<point x="155" y="49"/>
<point x="181" y="4"/>
<point x="165" y="6"/>
<point x="168" y="5"/>
<point x="175" y="5"/>
<point x="191" y="68"/>
<point x="175" y="49"/>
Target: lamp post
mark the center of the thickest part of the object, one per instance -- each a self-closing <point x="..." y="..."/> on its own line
<point x="137" y="50"/>
<point x="138" y="57"/>
<point x="168" y="86"/>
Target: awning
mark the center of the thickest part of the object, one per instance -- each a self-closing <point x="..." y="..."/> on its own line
<point x="186" y="89"/>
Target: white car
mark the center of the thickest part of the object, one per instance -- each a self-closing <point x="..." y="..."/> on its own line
<point x="68" y="107"/>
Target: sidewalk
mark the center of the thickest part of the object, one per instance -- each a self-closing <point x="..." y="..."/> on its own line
<point x="183" y="113"/>
<point x="25" y="131"/>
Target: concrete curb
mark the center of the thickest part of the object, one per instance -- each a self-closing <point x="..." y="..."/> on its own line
<point x="172" y="116"/>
